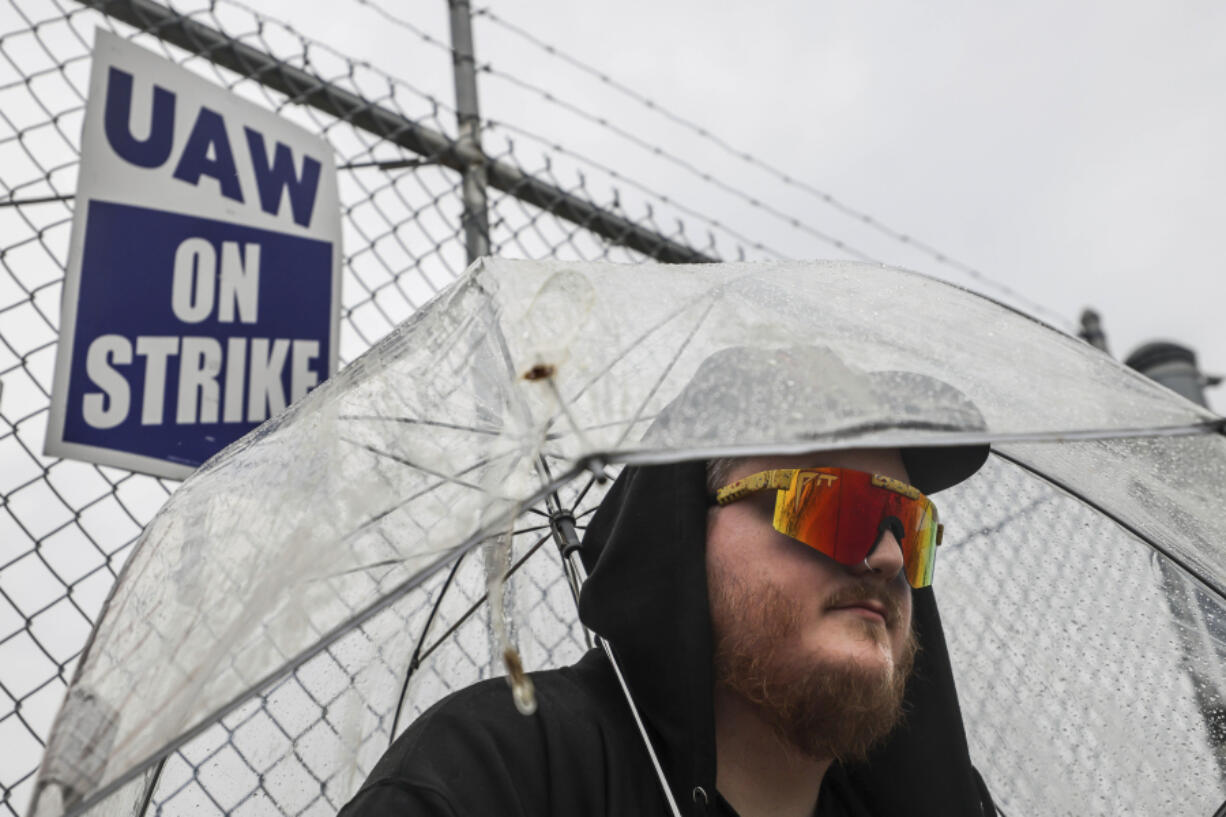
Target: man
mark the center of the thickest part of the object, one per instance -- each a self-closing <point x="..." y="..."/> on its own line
<point x="770" y="675"/>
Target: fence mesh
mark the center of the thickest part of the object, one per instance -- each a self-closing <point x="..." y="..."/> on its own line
<point x="67" y="527"/>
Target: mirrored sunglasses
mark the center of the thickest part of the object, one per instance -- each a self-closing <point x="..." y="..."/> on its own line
<point x="843" y="513"/>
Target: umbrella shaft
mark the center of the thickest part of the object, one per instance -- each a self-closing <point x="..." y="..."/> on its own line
<point x="567" y="539"/>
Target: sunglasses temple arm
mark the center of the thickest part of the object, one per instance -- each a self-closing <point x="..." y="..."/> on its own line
<point x="562" y="525"/>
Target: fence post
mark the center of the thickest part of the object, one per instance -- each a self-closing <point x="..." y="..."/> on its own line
<point x="468" y="118"/>
<point x="475" y="220"/>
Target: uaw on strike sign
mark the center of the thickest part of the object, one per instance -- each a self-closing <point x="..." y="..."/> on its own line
<point x="203" y="281"/>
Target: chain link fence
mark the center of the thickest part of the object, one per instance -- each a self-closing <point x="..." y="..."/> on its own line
<point x="66" y="527"/>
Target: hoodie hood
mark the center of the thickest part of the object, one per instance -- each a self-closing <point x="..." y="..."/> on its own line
<point x="645" y="551"/>
<point x="646" y="593"/>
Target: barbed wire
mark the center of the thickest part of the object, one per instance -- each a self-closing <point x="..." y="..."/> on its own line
<point x="494" y="126"/>
<point x="487" y="68"/>
<point x="408" y="26"/>
<point x="787" y="179"/>
<point x="674" y="159"/>
<point x="858" y="215"/>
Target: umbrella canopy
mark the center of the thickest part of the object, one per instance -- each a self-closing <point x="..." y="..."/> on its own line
<point x="1083" y="563"/>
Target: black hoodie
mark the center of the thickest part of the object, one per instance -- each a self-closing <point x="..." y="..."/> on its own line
<point x="580" y="754"/>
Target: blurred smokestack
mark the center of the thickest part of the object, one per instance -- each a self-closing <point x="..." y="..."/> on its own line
<point x="1173" y="366"/>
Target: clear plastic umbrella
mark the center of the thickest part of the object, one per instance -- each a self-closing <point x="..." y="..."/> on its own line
<point x="310" y="589"/>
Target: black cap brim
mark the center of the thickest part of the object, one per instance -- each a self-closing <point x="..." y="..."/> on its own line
<point x="936" y="468"/>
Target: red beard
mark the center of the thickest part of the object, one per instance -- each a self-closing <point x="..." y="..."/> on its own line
<point x="826" y="707"/>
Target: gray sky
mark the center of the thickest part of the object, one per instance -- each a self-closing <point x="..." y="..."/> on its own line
<point x="1072" y="152"/>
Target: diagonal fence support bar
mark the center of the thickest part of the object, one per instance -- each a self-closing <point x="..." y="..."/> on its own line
<point x="306" y="89"/>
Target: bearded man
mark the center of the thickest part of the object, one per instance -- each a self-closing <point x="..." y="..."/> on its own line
<point x="811" y="655"/>
<point x="765" y="614"/>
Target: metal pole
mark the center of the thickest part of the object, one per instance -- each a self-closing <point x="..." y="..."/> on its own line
<point x="496" y="554"/>
<point x="468" y="117"/>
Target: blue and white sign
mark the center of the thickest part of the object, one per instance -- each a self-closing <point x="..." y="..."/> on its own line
<point x="203" y="283"/>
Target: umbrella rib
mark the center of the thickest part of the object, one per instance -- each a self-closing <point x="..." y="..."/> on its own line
<point x="484" y="597"/>
<point x="551" y="499"/>
<point x="364" y="568"/>
<point x="564" y="407"/>
<point x="547" y="516"/>
<point x="454" y="480"/>
<point x="557" y="435"/>
<point x="443" y="480"/>
<point x="667" y="369"/>
<point x="151" y="786"/>
<point x="492" y="432"/>
<point x="542" y="467"/>
<point x="591" y="480"/>
<point x="1191" y="571"/>
<point x="318" y="646"/>
<point x="415" y="661"/>
<point x="634" y="344"/>
<point x="428" y="489"/>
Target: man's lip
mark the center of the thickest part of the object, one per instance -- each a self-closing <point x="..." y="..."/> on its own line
<point x="872" y="606"/>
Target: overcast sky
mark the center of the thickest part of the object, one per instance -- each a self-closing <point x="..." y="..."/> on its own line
<point x="1073" y="152"/>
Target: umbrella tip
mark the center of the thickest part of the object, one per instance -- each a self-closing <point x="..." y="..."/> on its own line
<point x="522" y="690"/>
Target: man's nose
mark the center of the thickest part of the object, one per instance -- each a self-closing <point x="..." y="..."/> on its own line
<point x="885" y="559"/>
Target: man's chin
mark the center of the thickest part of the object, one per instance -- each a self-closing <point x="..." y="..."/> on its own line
<point x="833" y="700"/>
<point x="837" y="705"/>
<point x="851" y="639"/>
<point x="836" y="700"/>
<point x="873" y="660"/>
